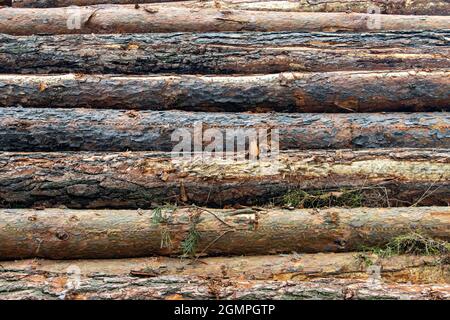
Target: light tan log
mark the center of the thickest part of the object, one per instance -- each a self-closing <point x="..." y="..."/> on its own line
<point x="111" y="279"/>
<point x="425" y="7"/>
<point x="289" y="267"/>
<point x="72" y="234"/>
<point x="159" y="18"/>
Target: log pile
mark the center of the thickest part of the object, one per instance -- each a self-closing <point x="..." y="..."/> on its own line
<point x="315" y="163"/>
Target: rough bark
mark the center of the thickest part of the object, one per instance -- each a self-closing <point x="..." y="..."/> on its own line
<point x="68" y="3"/>
<point x="215" y="53"/>
<point x="160" y="18"/>
<point x="30" y="130"/>
<point x="288" y="267"/>
<point x="31" y="285"/>
<point x="355" y="91"/>
<point x="73" y="234"/>
<point x="137" y="179"/>
<point x="420" y="7"/>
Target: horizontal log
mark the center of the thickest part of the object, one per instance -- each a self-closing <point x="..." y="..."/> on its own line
<point x="355" y="91"/>
<point x="159" y="18"/>
<point x="214" y="53"/>
<point x="27" y="130"/>
<point x="68" y="3"/>
<point x="36" y="284"/>
<point x="419" y="7"/>
<point x="410" y="7"/>
<point x="138" y="179"/>
<point x="290" y="267"/>
<point x="73" y="234"/>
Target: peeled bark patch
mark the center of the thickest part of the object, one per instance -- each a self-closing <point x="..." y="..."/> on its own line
<point x="152" y="18"/>
<point x="138" y="179"/>
<point x="294" y="92"/>
<point x="215" y="53"/>
<point x="72" y="234"/>
<point x="51" y="129"/>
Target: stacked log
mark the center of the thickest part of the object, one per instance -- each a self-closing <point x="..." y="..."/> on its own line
<point x="342" y="193"/>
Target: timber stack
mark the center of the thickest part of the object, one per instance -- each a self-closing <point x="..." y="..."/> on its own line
<point x="281" y="149"/>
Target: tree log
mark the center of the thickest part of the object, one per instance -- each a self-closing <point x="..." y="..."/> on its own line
<point x="356" y="91"/>
<point x="161" y="18"/>
<point x="288" y="267"/>
<point x="215" y="53"/>
<point x="419" y="7"/>
<point x="137" y="179"/>
<point x="73" y="234"/>
<point x="101" y="282"/>
<point x="30" y="130"/>
<point x="68" y="3"/>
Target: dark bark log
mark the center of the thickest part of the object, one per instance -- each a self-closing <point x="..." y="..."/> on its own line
<point x="136" y="180"/>
<point x="224" y="52"/>
<point x="356" y="91"/>
<point x="29" y="130"/>
<point x="419" y="7"/>
<point x="161" y="18"/>
<point x="87" y="234"/>
<point x="32" y="285"/>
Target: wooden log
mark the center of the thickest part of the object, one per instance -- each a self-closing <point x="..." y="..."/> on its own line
<point x="160" y="18"/>
<point x="216" y="53"/>
<point x="111" y="279"/>
<point x="68" y="3"/>
<point x="356" y="91"/>
<point x="411" y="269"/>
<point x="74" y="234"/>
<point x="414" y="7"/>
<point x="138" y="179"/>
<point x="411" y="7"/>
<point x="30" y="130"/>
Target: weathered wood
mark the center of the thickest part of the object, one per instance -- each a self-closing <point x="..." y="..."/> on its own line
<point x="29" y="284"/>
<point x="289" y="267"/>
<point x="421" y="7"/>
<point x="137" y="179"/>
<point x="215" y="53"/>
<point x="356" y="91"/>
<point x="67" y="3"/>
<point x="160" y="18"/>
<point x="73" y="234"/>
<point x="23" y="129"/>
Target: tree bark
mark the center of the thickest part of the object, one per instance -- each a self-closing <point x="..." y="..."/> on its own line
<point x="286" y="92"/>
<point x="31" y="130"/>
<point x="28" y="284"/>
<point x="161" y="18"/>
<point x="68" y="3"/>
<point x="88" y="234"/>
<point x="287" y="267"/>
<point x="136" y="180"/>
<point x="414" y="7"/>
<point x="214" y="53"/>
